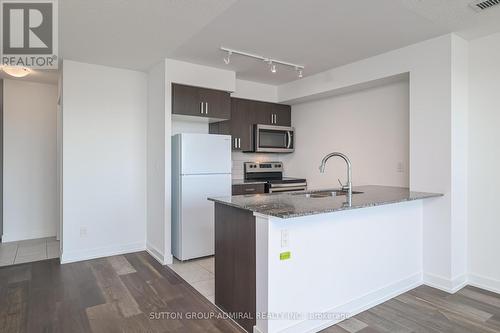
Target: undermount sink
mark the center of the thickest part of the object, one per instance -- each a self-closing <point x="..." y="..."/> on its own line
<point x="326" y="194"/>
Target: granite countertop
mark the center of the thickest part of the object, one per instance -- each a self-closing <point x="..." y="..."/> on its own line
<point x="289" y="205"/>
<point x="247" y="182"/>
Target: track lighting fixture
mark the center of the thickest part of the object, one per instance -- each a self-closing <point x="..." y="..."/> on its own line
<point x="227" y="59"/>
<point x="273" y="67"/>
<point x="272" y="62"/>
<point x="299" y="73"/>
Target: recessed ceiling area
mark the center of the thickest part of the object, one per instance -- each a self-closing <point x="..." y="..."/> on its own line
<point x="319" y="34"/>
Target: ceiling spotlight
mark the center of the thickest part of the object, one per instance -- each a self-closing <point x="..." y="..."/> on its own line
<point x="299" y="72"/>
<point x="268" y="61"/>
<point x="16" y="71"/>
<point x="227" y="59"/>
<point x="273" y="67"/>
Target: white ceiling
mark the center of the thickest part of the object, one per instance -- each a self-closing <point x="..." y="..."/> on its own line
<point x="319" y="34"/>
<point x="131" y="34"/>
<point x="457" y="16"/>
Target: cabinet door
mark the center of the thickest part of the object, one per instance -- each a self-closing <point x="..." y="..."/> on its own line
<point x="282" y="115"/>
<point x="262" y="112"/>
<point x="242" y="121"/>
<point x="186" y="100"/>
<point x="217" y="103"/>
<point x="221" y="127"/>
<point x="249" y="189"/>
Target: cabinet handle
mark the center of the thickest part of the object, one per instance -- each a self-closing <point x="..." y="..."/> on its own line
<point x="235" y="142"/>
<point x="272" y="118"/>
<point x="201" y="107"/>
<point x="239" y="143"/>
<point x="250" y="189"/>
<point x="275" y="118"/>
<point x="206" y="107"/>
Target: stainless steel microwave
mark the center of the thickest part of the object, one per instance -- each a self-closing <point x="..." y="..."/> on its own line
<point x="273" y="139"/>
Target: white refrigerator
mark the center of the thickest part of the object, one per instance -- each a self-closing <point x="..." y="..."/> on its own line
<point x="201" y="168"/>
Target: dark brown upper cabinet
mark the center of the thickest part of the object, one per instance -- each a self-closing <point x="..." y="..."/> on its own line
<point x="200" y="102"/>
<point x="245" y="114"/>
<point x="282" y="114"/>
<point x="240" y="126"/>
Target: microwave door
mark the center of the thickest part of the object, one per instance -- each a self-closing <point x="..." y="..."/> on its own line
<point x="273" y="139"/>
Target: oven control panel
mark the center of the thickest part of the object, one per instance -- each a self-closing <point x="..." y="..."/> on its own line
<point x="251" y="167"/>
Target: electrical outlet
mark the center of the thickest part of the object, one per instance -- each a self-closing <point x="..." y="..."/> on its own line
<point x="285" y="238"/>
<point x="400" y="167"/>
<point x="83" y="231"/>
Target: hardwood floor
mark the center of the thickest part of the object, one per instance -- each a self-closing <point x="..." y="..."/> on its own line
<point x="425" y="309"/>
<point x="134" y="293"/>
<point x="115" y="294"/>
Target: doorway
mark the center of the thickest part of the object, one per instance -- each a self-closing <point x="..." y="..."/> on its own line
<point x="29" y="198"/>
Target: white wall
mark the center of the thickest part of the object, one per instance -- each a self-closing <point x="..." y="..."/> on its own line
<point x="255" y="90"/>
<point x="370" y="126"/>
<point x="484" y="163"/>
<point x="189" y="126"/>
<point x="30" y="160"/>
<point x="104" y="161"/>
<point x="156" y="174"/>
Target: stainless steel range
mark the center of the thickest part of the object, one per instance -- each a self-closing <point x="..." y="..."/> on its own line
<point x="272" y="174"/>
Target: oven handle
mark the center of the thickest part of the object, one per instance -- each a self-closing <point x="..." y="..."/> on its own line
<point x="287" y="189"/>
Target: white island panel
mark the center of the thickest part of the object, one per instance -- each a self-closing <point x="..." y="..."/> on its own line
<point x="340" y="264"/>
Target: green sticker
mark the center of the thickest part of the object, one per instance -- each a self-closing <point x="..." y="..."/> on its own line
<point x="285" y="255"/>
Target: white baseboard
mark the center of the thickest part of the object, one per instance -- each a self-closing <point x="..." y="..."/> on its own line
<point x="484" y="283"/>
<point x="6" y="238"/>
<point x="358" y="305"/>
<point x="107" y="251"/>
<point x="157" y="254"/>
<point x="256" y="330"/>
<point x="169" y="259"/>
<point x="448" y="285"/>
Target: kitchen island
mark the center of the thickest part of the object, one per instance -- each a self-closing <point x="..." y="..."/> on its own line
<point x="301" y="262"/>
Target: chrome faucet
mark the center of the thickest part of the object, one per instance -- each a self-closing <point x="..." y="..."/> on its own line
<point x="345" y="187"/>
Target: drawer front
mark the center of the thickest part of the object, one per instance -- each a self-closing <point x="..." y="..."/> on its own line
<point x="249" y="189"/>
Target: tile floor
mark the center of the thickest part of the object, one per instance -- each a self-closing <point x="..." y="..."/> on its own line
<point x="28" y="251"/>
<point x="199" y="273"/>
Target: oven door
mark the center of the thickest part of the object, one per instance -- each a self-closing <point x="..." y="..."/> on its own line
<point x="274" y="139"/>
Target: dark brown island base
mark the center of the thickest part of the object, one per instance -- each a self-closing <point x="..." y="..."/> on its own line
<point x="235" y="263"/>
